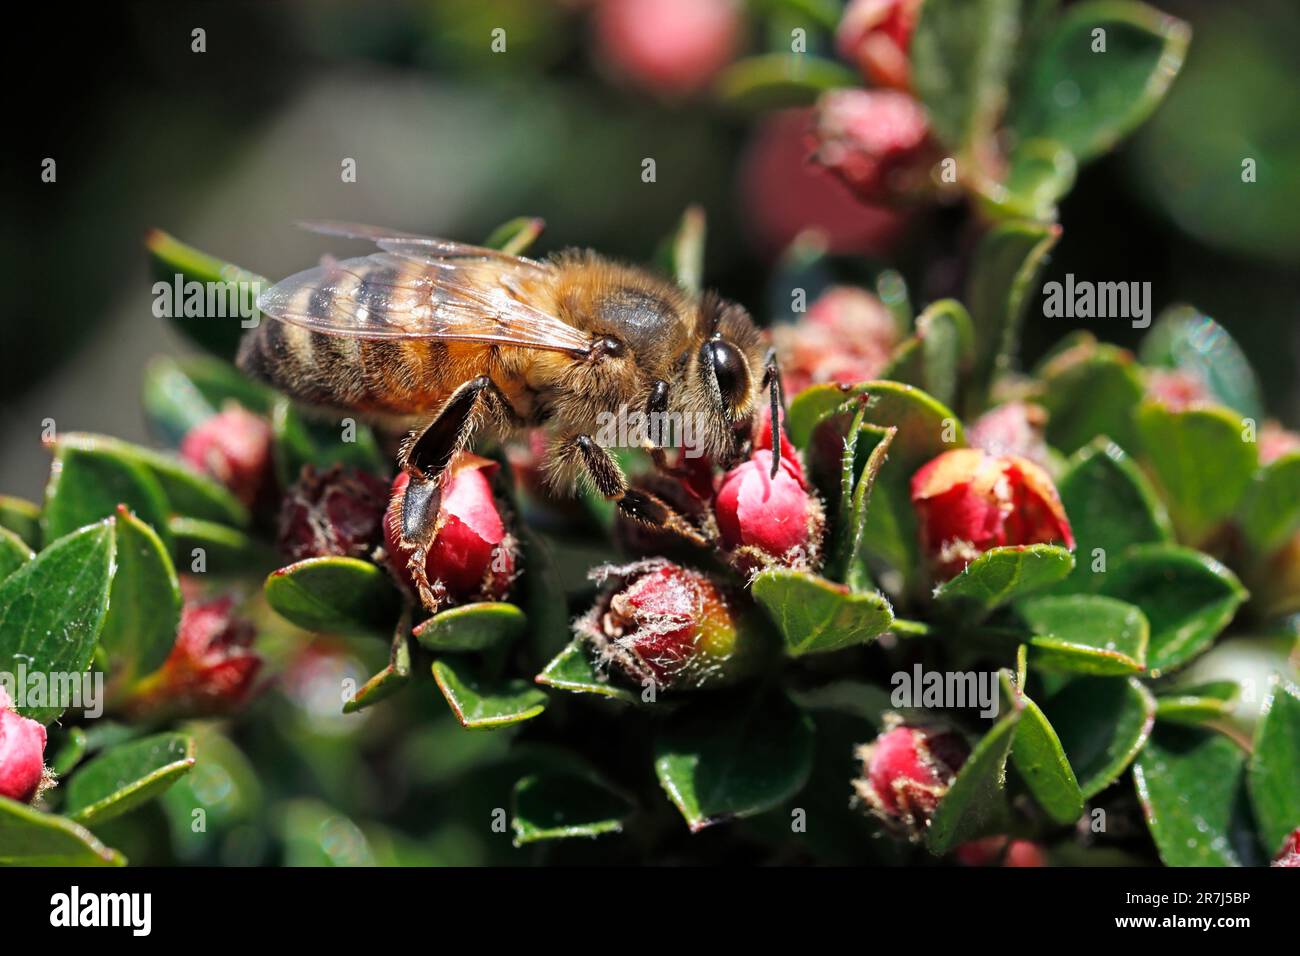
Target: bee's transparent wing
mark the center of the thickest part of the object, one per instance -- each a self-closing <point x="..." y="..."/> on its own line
<point x="396" y="296"/>
<point x="409" y="243"/>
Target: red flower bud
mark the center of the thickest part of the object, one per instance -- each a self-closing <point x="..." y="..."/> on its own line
<point x="332" y="512"/>
<point x="669" y="625"/>
<point x="671" y="47"/>
<point x="234" y="447"/>
<point x="1014" y="428"/>
<point x="1176" y="388"/>
<point x="875" y="36"/>
<point x="1001" y="851"/>
<point x="766" y="520"/>
<point x="22" y="753"/>
<point x="1276" y="441"/>
<point x="1289" y="854"/>
<point x="847" y="337"/>
<point x="763" y="439"/>
<point x="211" y="667"/>
<point x="875" y="141"/>
<point x="969" y="501"/>
<point x="906" y="771"/>
<point x="472" y="555"/>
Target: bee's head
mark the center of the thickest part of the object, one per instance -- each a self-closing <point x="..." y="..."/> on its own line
<point x="734" y="371"/>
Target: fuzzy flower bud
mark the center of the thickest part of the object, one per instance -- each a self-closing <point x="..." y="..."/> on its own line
<point x="333" y="512"/>
<point x="1276" y="441"/>
<point x="1289" y="854"/>
<point x="875" y="141"/>
<point x="969" y="501"/>
<point x="765" y="519"/>
<point x="1001" y="851"/>
<point x="906" y="771"/>
<point x="669" y="626"/>
<point x="234" y="447"/>
<point x="1179" y="389"/>
<point x="473" y="557"/>
<point x="875" y="36"/>
<point x="1013" y="428"/>
<point x="672" y="47"/>
<point x="22" y="753"/>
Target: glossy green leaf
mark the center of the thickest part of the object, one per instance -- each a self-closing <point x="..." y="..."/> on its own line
<point x="1186" y="339"/>
<point x="1002" y="574"/>
<point x="1198" y="703"/>
<point x="483" y="703"/>
<point x="334" y="594"/>
<point x="393" y="677"/>
<point x="558" y="806"/>
<point x="204" y="547"/>
<point x="29" y="837"/>
<point x="1187" y="597"/>
<point x="1089" y="100"/>
<point x="1090" y="391"/>
<point x="89" y="479"/>
<point x="720" y="762"/>
<point x="14" y="553"/>
<point x="1041" y="172"/>
<point x="1040" y="760"/>
<point x="1111" y="506"/>
<point x="572" y="670"/>
<point x="471" y="627"/>
<point x="172" y="403"/>
<point x="1102" y="723"/>
<point x="1274" y="770"/>
<point x="866" y="448"/>
<point x="65" y="750"/>
<point x="125" y="776"/>
<point x="23" y="518"/>
<point x="947" y="347"/>
<point x="816" y="616"/>
<point x="1086" y="634"/>
<point x="322" y="443"/>
<point x="976" y="804"/>
<point x="1192" y="785"/>
<point x="52" y="608"/>
<point x="1201" y="462"/>
<point x="1270" y="507"/>
<point x="144" y="610"/>
<point x="776" y="80"/>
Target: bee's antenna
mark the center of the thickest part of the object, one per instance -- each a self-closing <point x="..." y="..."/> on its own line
<point x="772" y="373"/>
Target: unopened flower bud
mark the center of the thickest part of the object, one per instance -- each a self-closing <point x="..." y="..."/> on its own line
<point x="766" y="520"/>
<point x="333" y="512"/>
<point x="969" y="501"/>
<point x="875" y="36"/>
<point x="906" y="771"/>
<point x="671" y="47"/>
<point x="1001" y="851"/>
<point x="234" y="447"/>
<point x="1178" y="389"/>
<point x="1276" y="441"/>
<point x="1013" y="428"/>
<point x="1289" y="853"/>
<point x="875" y="141"/>
<point x="22" y="753"/>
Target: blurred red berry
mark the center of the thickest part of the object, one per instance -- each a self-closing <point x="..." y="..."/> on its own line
<point x="1289" y="853"/>
<point x="1276" y="441"/>
<point x="906" y="771"/>
<point x="668" y="625"/>
<point x="765" y="519"/>
<point x="234" y="447"/>
<point x="22" y="753"/>
<point x="671" y="47"/>
<point x="1001" y="851"/>
<point x="969" y="501"/>
<point x="333" y="512"/>
<point x="875" y="141"/>
<point x="783" y="195"/>
<point x="473" y="556"/>
<point x="875" y="36"/>
<point x="1013" y="428"/>
<point x="847" y="336"/>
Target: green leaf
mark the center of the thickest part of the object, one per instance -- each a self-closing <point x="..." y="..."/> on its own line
<point x="976" y="805"/>
<point x="1087" y="634"/>
<point x="1187" y="597"/>
<point x="775" y="80"/>
<point x="947" y="347"/>
<point x="222" y="549"/>
<point x="482" y="703"/>
<point x="816" y="616"/>
<point x="171" y="258"/>
<point x="1091" y="390"/>
<point x="53" y="607"/>
<point x="682" y="254"/>
<point x="514" y="237"/>
<point x="14" y="553"/>
<point x="1042" y="171"/>
<point x="89" y="479"/>
<point x="1270" y="508"/>
<point x="1201" y="463"/>
<point x="961" y="56"/>
<point x="23" y="518"/>
<point x="1184" y="338"/>
<point x="1007" y="263"/>
<point x="471" y="627"/>
<point x="1102" y="723"/>
<point x="1111" y="506"/>
<point x="123" y="777"/>
<point x="573" y="670"/>
<point x="1002" y="574"/>
<point x="144" y="610"/>
<point x="857" y="480"/>
<point x="393" y="677"/>
<point x="29" y="837"/>
<point x="347" y="595"/>
<point x="1040" y="760"/>
<point x="720" y="762"/>
<point x="67" y="750"/>
<point x="321" y="443"/>
<point x="558" y="806"/>
<point x="1089" y="100"/>
<point x="1199" y="703"/>
<point x="1192" y="785"/>
<point x="1272" y="772"/>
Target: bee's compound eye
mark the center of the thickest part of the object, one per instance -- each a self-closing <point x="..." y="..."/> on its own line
<point x="728" y="368"/>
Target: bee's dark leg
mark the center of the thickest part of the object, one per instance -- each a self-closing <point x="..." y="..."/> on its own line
<point x="772" y="382"/>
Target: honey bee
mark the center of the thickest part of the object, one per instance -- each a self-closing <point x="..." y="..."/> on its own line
<point x="459" y="340"/>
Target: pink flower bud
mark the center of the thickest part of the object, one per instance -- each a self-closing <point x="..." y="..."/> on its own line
<point x="846" y="337"/>
<point x="668" y="625"/>
<point x="332" y="512"/>
<point x="1289" y="853"/>
<point x="1176" y="388"/>
<point x="1014" y="428"/>
<point x="1276" y="441"/>
<point x="875" y="141"/>
<point x="906" y="771"/>
<point x="766" y="520"/>
<point x="672" y="47"/>
<point x="875" y="36"/>
<point x="1001" y="851"/>
<point x="969" y="501"/>
<point x="22" y="753"/>
<point x="234" y="447"/>
<point x="472" y="555"/>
